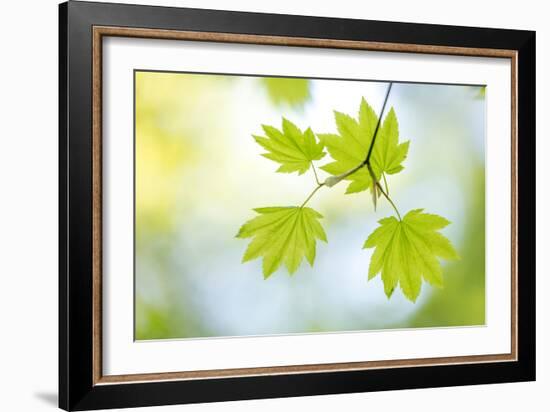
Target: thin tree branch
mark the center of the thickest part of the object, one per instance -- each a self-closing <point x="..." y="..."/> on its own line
<point x="375" y="135"/>
<point x="333" y="180"/>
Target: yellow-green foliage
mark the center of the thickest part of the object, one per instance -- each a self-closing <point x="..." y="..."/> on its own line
<point x="406" y="250"/>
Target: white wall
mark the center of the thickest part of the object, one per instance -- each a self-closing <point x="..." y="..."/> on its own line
<point x="28" y="203"/>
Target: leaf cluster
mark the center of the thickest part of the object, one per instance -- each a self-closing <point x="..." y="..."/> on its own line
<point x="406" y="251"/>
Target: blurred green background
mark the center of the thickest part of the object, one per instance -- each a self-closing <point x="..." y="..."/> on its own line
<point x="199" y="173"/>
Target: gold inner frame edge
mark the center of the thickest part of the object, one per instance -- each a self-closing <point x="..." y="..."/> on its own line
<point x="98" y="32"/>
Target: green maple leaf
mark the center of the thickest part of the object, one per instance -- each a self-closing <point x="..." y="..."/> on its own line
<point x="282" y="234"/>
<point x="350" y="146"/>
<point x="292" y="148"/>
<point x="407" y="251"/>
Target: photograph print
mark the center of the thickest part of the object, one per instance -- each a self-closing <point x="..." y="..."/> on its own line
<point x="277" y="205"/>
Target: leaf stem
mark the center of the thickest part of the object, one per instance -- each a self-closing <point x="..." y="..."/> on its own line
<point x="385" y="183"/>
<point x="315" y="173"/>
<point x="320" y="185"/>
<point x="386" y="195"/>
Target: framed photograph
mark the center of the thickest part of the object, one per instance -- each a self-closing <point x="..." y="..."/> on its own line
<point x="256" y="205"/>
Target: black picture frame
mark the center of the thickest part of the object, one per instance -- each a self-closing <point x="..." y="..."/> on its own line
<point x="77" y="390"/>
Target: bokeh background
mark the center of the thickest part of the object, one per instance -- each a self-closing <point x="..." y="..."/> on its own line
<point x="199" y="173"/>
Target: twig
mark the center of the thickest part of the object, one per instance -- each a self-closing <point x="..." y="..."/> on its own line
<point x="375" y="135"/>
<point x="333" y="180"/>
